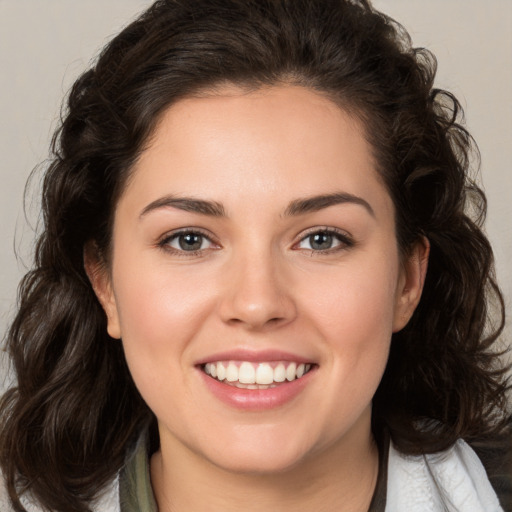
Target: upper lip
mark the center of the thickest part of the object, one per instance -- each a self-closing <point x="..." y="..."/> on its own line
<point x="254" y="356"/>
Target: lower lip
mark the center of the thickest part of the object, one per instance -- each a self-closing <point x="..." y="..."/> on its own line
<point x="256" y="399"/>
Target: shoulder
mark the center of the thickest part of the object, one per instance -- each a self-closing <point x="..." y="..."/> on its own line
<point x="453" y="480"/>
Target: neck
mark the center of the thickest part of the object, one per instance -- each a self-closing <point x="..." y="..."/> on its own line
<point x="342" y="477"/>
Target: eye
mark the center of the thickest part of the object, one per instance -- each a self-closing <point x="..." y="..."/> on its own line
<point x="187" y="241"/>
<point x="325" y="240"/>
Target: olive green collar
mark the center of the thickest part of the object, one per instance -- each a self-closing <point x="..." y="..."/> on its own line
<point x="135" y="491"/>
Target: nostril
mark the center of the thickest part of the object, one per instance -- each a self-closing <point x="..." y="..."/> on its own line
<point x="257" y="322"/>
<point x="256" y="308"/>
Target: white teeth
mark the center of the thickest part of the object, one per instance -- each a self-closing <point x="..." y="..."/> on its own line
<point x="249" y="375"/>
<point x="232" y="372"/>
<point x="221" y="371"/>
<point x="291" y="371"/>
<point x="264" y="374"/>
<point x="280" y="373"/>
<point x="210" y="369"/>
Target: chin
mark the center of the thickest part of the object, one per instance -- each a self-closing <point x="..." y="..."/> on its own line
<point x="264" y="457"/>
<point x="258" y="464"/>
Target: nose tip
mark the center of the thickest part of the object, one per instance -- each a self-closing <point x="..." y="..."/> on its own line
<point x="256" y="299"/>
<point x="257" y="315"/>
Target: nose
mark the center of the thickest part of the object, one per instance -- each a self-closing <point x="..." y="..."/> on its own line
<point x="257" y="293"/>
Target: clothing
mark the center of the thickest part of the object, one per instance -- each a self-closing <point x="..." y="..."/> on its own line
<point x="135" y="492"/>
<point x="136" y="495"/>
<point x="451" y="481"/>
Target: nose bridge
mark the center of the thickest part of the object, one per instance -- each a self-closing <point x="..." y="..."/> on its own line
<point x="255" y="288"/>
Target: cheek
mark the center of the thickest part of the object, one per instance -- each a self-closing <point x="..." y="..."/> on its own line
<point x="355" y="306"/>
<point x="159" y="311"/>
<point x="354" y="318"/>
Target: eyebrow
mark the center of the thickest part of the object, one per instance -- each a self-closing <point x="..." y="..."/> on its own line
<point x="295" y="207"/>
<point x="188" y="204"/>
<point x="316" y="203"/>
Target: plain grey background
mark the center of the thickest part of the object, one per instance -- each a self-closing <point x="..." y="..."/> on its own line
<point x="46" y="44"/>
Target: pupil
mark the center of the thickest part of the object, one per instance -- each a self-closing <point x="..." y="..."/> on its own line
<point x="321" y="241"/>
<point x="190" y="242"/>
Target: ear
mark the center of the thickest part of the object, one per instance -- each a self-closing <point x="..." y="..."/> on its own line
<point x="410" y="283"/>
<point x="99" y="277"/>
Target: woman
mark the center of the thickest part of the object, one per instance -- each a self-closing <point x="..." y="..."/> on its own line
<point x="257" y="286"/>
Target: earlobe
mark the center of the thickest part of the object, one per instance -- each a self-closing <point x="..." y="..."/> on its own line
<point x="99" y="278"/>
<point x="410" y="284"/>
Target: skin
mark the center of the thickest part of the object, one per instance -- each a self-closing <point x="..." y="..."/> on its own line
<point x="256" y="283"/>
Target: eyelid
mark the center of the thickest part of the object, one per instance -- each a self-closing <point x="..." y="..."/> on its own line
<point x="345" y="238"/>
<point x="163" y="241"/>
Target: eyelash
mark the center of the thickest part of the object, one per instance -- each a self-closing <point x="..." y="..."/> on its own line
<point x="344" y="241"/>
<point x="164" y="243"/>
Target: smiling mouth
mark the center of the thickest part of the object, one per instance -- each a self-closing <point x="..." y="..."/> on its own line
<point x="249" y="375"/>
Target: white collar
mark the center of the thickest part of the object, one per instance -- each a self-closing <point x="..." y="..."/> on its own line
<point x="450" y="481"/>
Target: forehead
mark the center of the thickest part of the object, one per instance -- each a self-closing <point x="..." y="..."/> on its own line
<point x="234" y="145"/>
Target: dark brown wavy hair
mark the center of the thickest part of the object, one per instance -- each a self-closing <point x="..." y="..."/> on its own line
<point x="66" y="426"/>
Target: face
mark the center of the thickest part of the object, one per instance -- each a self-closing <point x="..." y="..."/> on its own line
<point x="255" y="278"/>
